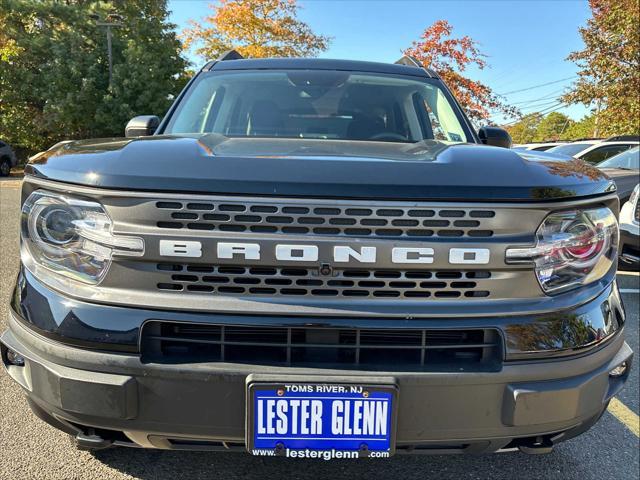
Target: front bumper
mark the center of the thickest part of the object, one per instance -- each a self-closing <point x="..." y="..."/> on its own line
<point x="104" y="397"/>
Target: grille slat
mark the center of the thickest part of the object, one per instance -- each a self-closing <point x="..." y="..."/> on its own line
<point x="277" y="281"/>
<point x="345" y="348"/>
<point x="343" y="221"/>
<point x="319" y="345"/>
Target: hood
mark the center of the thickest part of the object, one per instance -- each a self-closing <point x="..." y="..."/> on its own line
<point x="429" y="170"/>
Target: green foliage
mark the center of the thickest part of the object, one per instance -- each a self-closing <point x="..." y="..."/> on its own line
<point x="582" y="129"/>
<point x="525" y="130"/>
<point x="552" y="127"/>
<point x="610" y="65"/>
<point x="536" y="127"/>
<point x="54" y="79"/>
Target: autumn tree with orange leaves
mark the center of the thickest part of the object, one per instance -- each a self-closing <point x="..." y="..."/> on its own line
<point x="254" y="28"/>
<point x="450" y="58"/>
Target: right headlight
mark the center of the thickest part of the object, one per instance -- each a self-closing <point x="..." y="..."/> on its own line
<point x="573" y="248"/>
<point x="65" y="236"/>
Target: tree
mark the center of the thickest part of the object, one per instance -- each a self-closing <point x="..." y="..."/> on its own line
<point x="581" y="129"/>
<point x="450" y="58"/>
<point x="54" y="76"/>
<point x="552" y="127"/>
<point x="610" y="66"/>
<point x="254" y="28"/>
<point x="525" y="130"/>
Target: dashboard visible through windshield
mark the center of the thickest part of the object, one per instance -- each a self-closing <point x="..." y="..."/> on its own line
<point x="317" y="104"/>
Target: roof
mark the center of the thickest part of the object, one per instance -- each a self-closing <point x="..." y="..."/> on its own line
<point x="317" y="64"/>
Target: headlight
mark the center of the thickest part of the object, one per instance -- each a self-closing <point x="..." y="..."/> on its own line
<point x="573" y="248"/>
<point x="70" y="237"/>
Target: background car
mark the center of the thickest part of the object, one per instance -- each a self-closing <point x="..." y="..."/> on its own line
<point x="8" y="159"/>
<point x="536" y="155"/>
<point x="597" y="150"/>
<point x="624" y="169"/>
<point x="538" y="147"/>
<point x="630" y="232"/>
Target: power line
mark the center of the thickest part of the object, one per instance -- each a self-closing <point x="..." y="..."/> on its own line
<point x="544" y="107"/>
<point x="543" y="104"/>
<point x="510" y="73"/>
<point x="552" y="108"/>
<point x="553" y="94"/>
<point x="538" y="86"/>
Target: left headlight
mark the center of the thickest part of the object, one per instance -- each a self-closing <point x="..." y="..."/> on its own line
<point x="71" y="237"/>
<point x="573" y="248"/>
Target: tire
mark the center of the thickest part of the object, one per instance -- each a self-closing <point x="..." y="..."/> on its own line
<point x="5" y="167"/>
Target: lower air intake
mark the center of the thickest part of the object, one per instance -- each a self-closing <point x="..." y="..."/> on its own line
<point x="339" y="348"/>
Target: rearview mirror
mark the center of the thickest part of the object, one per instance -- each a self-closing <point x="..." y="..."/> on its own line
<point x="142" y="126"/>
<point x="497" y="137"/>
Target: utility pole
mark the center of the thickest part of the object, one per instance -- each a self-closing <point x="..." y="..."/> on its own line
<point x="597" y="120"/>
<point x="562" y="131"/>
<point x="108" y="23"/>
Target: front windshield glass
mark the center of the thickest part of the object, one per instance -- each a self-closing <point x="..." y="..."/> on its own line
<point x="629" y="159"/>
<point x="570" y="149"/>
<point x="317" y="104"/>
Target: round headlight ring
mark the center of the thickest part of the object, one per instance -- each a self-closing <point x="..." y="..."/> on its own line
<point x="55" y="225"/>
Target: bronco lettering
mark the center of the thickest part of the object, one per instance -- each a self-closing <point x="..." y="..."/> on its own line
<point x="341" y="254"/>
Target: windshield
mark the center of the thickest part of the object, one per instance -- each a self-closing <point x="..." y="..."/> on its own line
<point x="570" y="149"/>
<point x="317" y="104"/>
<point x="629" y="159"/>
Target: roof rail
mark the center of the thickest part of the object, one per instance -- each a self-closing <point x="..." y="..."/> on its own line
<point x="620" y="138"/>
<point x="410" y="61"/>
<point x="230" y="55"/>
<point x="585" y="138"/>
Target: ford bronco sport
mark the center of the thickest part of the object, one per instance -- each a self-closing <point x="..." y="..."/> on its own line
<point x="321" y="259"/>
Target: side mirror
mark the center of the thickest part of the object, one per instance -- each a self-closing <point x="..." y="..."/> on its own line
<point x="497" y="137"/>
<point x="141" y="126"/>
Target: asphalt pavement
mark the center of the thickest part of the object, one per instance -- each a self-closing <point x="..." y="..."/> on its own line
<point x="30" y="449"/>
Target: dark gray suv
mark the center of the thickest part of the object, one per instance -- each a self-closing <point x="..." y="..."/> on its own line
<point x="316" y="259"/>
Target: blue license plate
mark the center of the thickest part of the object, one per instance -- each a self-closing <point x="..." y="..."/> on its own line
<point x="329" y="421"/>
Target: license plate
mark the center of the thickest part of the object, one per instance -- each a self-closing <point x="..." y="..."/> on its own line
<point x="327" y="421"/>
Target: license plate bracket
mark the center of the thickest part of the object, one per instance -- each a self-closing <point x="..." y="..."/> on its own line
<point x="321" y="419"/>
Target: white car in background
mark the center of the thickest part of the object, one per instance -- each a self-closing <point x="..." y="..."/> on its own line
<point x="538" y="147"/>
<point x="596" y="150"/>
<point x="630" y="232"/>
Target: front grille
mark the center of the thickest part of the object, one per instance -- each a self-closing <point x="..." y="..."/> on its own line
<point x="342" y="348"/>
<point x="358" y="283"/>
<point x="636" y="213"/>
<point x="306" y="218"/>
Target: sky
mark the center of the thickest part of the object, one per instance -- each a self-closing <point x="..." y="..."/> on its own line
<point x="526" y="42"/>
